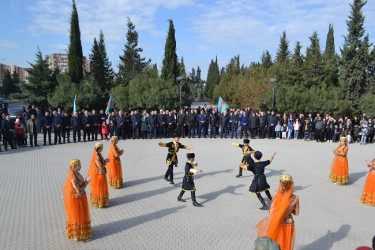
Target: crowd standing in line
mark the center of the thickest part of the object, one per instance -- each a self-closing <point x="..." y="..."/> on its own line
<point x="201" y="122"/>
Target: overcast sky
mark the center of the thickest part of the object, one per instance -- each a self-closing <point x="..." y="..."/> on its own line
<point x="204" y="29"/>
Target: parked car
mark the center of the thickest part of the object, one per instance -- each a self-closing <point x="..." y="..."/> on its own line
<point x="14" y="112"/>
<point x="3" y="101"/>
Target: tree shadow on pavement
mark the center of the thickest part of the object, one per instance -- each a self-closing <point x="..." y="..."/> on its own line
<point x="213" y="195"/>
<point x="353" y="177"/>
<point x="276" y="172"/>
<point x="103" y="230"/>
<point x="327" y="241"/>
<point x="140" y="196"/>
<point x="212" y="173"/>
<point x="297" y="188"/>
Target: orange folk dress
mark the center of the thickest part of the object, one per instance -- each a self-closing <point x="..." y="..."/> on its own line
<point x="279" y="225"/>
<point x="78" y="223"/>
<point x="368" y="193"/>
<point x="114" y="167"/>
<point x="339" y="168"/>
<point x="99" y="196"/>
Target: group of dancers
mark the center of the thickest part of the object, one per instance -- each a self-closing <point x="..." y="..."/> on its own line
<point x="277" y="226"/>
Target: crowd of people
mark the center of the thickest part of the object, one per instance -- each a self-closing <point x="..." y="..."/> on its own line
<point x="201" y="122"/>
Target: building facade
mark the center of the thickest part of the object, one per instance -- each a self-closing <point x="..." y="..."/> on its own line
<point x="60" y="61"/>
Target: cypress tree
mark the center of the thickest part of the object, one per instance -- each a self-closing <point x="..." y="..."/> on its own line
<point x="213" y="78"/>
<point x="330" y="60"/>
<point x="75" y="57"/>
<point x="353" y="65"/>
<point x="182" y="71"/>
<point x="313" y="62"/>
<point x="170" y="68"/>
<point x="131" y="63"/>
<point x="266" y="59"/>
<point x="100" y="66"/>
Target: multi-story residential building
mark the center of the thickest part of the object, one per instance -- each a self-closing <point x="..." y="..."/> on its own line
<point x="61" y="61"/>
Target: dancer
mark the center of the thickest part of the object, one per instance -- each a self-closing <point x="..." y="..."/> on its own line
<point x="99" y="193"/>
<point x="114" y="165"/>
<point x="339" y="168"/>
<point x="247" y="162"/>
<point x="279" y="224"/>
<point x="368" y="194"/>
<point x="172" y="160"/>
<point x="259" y="183"/>
<point x="188" y="182"/>
<point x="78" y="224"/>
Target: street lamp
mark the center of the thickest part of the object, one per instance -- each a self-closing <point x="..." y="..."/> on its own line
<point x="273" y="83"/>
<point x="179" y="80"/>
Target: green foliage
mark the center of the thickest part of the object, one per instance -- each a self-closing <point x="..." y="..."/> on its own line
<point x="100" y="66"/>
<point x="330" y="60"/>
<point x="131" y="62"/>
<point x="313" y="63"/>
<point x="42" y="83"/>
<point x="87" y="92"/>
<point x="354" y="57"/>
<point x="9" y="84"/>
<point x="75" y="57"/>
<point x="266" y="60"/>
<point x="170" y="68"/>
<point x="213" y="79"/>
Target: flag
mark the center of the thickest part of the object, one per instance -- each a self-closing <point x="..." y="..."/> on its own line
<point x="221" y="106"/>
<point x="110" y="105"/>
<point x="75" y="105"/>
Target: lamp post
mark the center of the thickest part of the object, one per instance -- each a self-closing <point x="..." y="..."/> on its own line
<point x="179" y="80"/>
<point x="273" y="83"/>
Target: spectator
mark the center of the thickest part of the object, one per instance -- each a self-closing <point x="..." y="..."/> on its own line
<point x="319" y="126"/>
<point x="244" y="120"/>
<point x="76" y="122"/>
<point x="224" y="121"/>
<point x="33" y="127"/>
<point x="104" y="131"/>
<point x="296" y="126"/>
<point x="144" y="126"/>
<point x="19" y="133"/>
<point x="233" y="121"/>
<point x="46" y="123"/>
<point x="214" y="120"/>
<point x="278" y="130"/>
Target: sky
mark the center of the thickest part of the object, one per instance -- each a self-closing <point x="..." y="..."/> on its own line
<point x="204" y="29"/>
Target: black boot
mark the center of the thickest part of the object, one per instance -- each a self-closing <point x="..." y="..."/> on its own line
<point x="195" y="203"/>
<point x="179" y="198"/>
<point x="269" y="195"/>
<point x="239" y="173"/>
<point x="263" y="203"/>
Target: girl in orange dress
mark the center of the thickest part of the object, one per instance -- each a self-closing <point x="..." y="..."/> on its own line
<point x="114" y="165"/>
<point x="99" y="193"/>
<point x="279" y="224"/>
<point x="339" y="168"/>
<point x="78" y="224"/>
<point x="368" y="194"/>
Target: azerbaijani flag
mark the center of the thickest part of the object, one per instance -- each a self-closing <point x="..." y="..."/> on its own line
<point x="75" y="105"/>
<point x="221" y="106"/>
<point x="110" y="104"/>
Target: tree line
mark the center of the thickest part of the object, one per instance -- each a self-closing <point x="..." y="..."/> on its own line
<point x="318" y="81"/>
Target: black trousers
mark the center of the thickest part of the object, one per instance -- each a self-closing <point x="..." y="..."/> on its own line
<point x="262" y="132"/>
<point x="169" y="172"/>
<point x="253" y="132"/>
<point x="57" y="132"/>
<point x="33" y="139"/>
<point x="244" y="129"/>
<point x="271" y="132"/>
<point x="8" y="139"/>
<point x="86" y="131"/>
<point x="181" y="130"/>
<point x="319" y="134"/>
<point x="223" y="132"/>
<point x="66" y="134"/>
<point x="76" y="132"/>
<point x="135" y="132"/>
<point x="45" y="132"/>
<point x="94" y="132"/>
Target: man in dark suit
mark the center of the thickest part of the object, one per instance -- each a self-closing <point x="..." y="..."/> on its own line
<point x="224" y="121"/>
<point x="46" y="123"/>
<point x="57" y="123"/>
<point x="136" y="122"/>
<point x="65" y="127"/>
<point x="95" y="125"/>
<point x="8" y="130"/>
<point x="86" y="126"/>
<point x="254" y="123"/>
<point x="262" y="125"/>
<point x="76" y="123"/>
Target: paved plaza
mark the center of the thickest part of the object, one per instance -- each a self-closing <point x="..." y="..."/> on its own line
<point x="145" y="213"/>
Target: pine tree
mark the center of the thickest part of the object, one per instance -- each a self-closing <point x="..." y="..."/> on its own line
<point x="213" y="78"/>
<point x="42" y="83"/>
<point x="100" y="66"/>
<point x="330" y="62"/>
<point x="313" y="63"/>
<point x="7" y="88"/>
<point x="352" y="79"/>
<point x="296" y="71"/>
<point x="75" y="57"/>
<point x="131" y="62"/>
<point x="282" y="61"/>
<point x="170" y="68"/>
<point x="181" y="66"/>
<point x="266" y="60"/>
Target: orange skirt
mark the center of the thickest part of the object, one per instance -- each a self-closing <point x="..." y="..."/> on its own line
<point x="115" y="173"/>
<point x="339" y="170"/>
<point x="78" y="224"/>
<point x="368" y="194"/>
<point x="99" y="193"/>
<point x="289" y="232"/>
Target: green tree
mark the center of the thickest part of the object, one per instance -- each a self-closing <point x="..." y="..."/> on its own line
<point x="75" y="57"/>
<point x="313" y="63"/>
<point x="181" y="68"/>
<point x="42" y="83"/>
<point x="170" y="68"/>
<point x="353" y="65"/>
<point x="330" y="60"/>
<point x="213" y="78"/>
<point x="282" y="61"/>
<point x="266" y="59"/>
<point x="131" y="62"/>
<point x="100" y="66"/>
<point x="8" y="86"/>
<point x="296" y="71"/>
